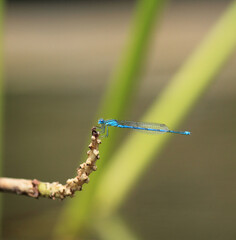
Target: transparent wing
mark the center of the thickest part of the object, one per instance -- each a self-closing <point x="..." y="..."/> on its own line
<point x="145" y="127"/>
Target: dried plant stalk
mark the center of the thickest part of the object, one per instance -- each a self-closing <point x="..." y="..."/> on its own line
<point x="35" y="188"/>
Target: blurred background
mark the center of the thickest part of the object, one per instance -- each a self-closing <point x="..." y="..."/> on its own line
<point x="59" y="57"/>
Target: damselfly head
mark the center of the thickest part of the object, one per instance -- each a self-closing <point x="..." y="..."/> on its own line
<point x="187" y="133"/>
<point x="101" y="121"/>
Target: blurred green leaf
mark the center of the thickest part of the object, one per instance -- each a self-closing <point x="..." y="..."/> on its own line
<point x="1" y="99"/>
<point x="116" y="102"/>
<point x="114" y="228"/>
<point x="178" y="99"/>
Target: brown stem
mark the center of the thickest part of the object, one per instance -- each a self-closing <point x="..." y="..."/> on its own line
<point x="35" y="188"/>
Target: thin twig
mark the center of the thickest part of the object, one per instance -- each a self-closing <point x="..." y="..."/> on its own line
<point x="35" y="188"/>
